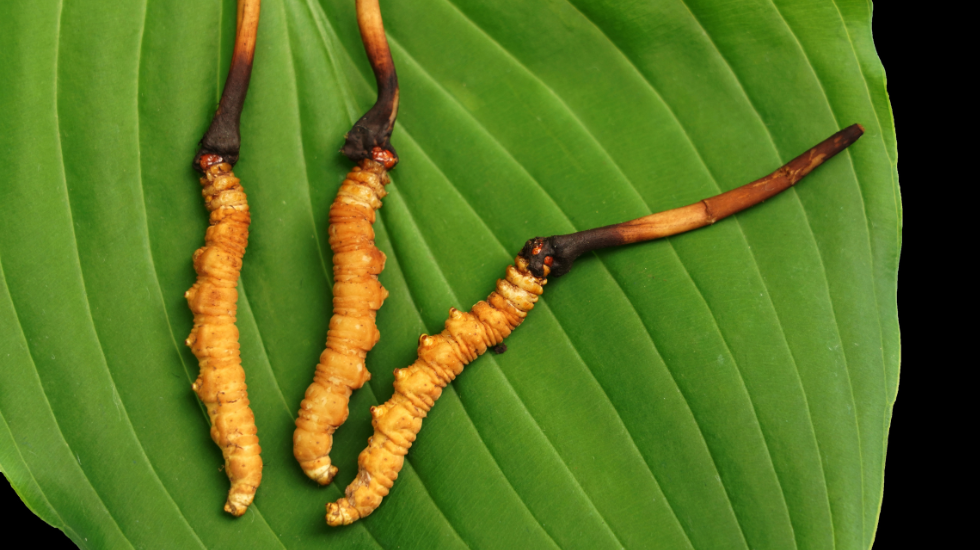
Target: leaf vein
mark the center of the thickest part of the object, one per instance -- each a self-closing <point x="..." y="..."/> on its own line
<point x="54" y="417"/>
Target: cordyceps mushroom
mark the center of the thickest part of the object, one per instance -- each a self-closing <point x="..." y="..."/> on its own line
<point x="357" y="294"/>
<point x="213" y="298"/>
<point x="468" y="335"/>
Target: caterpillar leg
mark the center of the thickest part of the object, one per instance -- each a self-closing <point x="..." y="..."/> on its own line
<point x="357" y="296"/>
<point x="214" y="338"/>
<point x="441" y="359"/>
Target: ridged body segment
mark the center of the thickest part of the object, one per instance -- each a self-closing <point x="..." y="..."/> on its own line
<point x="214" y="339"/>
<point x="357" y="296"/>
<point x="441" y="359"/>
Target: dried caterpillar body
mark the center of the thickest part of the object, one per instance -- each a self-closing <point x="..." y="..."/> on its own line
<point x="357" y="262"/>
<point x="357" y="296"/>
<point x="214" y="338"/>
<point x="441" y="359"/>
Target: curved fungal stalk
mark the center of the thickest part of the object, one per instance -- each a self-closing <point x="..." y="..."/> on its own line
<point x="357" y="262"/>
<point x="441" y="358"/>
<point x="555" y="254"/>
<point x="373" y="130"/>
<point x="213" y="298"/>
<point x="223" y="137"/>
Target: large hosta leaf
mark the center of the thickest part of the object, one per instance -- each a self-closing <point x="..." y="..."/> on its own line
<point x="727" y="388"/>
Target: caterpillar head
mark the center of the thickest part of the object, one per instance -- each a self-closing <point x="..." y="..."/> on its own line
<point x="553" y="256"/>
<point x="543" y="259"/>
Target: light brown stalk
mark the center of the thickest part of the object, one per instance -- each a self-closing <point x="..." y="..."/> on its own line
<point x="373" y="130"/>
<point x="222" y="137"/>
<point x="554" y="255"/>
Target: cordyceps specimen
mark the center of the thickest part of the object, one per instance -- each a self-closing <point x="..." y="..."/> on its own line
<point x="213" y="298"/>
<point x="357" y="294"/>
<point x="441" y="358"/>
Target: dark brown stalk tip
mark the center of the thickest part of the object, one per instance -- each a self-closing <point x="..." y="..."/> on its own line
<point x="373" y="131"/>
<point x="223" y="137"/>
<point x="553" y="256"/>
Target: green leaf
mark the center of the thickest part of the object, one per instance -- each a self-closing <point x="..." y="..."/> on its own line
<point x="727" y="388"/>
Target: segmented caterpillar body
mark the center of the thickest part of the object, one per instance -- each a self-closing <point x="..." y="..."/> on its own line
<point x="357" y="296"/>
<point x="441" y="359"/>
<point x="214" y="338"/>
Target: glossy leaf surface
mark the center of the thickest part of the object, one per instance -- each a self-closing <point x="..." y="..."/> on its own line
<point x="727" y="388"/>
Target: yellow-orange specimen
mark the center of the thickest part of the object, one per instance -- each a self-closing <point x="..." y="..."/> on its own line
<point x="214" y="338"/>
<point x="441" y="359"/>
<point x="357" y="296"/>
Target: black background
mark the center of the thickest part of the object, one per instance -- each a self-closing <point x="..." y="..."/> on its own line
<point x="910" y="58"/>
